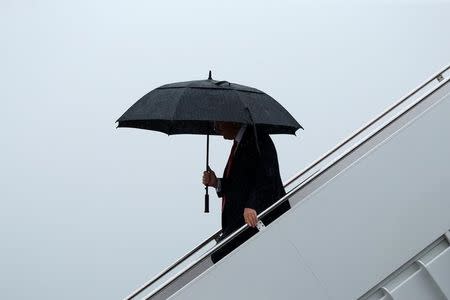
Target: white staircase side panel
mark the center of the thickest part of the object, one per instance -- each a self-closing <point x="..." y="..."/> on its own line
<point x="246" y="265"/>
<point x="439" y="269"/>
<point x="418" y="287"/>
<point x="355" y="223"/>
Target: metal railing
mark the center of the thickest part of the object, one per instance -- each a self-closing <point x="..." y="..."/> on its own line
<point x="173" y="266"/>
<point x="296" y="178"/>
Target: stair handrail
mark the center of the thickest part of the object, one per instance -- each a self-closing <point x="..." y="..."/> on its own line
<point x="438" y="76"/>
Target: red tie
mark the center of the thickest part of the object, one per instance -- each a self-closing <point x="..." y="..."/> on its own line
<point x="228" y="168"/>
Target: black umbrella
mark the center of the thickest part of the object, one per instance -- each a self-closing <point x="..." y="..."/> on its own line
<point x="192" y="107"/>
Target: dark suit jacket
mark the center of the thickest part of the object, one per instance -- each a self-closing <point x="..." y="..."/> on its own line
<point x="253" y="181"/>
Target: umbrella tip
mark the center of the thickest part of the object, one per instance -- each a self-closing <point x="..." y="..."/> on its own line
<point x="210" y="75"/>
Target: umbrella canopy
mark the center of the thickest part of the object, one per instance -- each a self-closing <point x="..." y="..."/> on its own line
<point x="191" y="107"/>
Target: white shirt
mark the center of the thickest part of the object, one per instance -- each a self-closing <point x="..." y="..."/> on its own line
<point x="240" y="134"/>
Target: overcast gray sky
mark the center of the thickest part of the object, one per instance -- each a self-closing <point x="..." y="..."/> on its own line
<point x="91" y="211"/>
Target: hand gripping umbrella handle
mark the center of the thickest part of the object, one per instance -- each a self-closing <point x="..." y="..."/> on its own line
<point x="207" y="169"/>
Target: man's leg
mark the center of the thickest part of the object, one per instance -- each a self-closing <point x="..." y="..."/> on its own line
<point x="232" y="244"/>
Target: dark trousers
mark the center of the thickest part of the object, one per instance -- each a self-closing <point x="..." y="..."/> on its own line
<point x="247" y="233"/>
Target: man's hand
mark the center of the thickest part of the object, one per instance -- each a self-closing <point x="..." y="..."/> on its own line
<point x="209" y="178"/>
<point x="250" y="217"/>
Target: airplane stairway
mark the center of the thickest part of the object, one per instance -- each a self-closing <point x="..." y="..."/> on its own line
<point x="370" y="220"/>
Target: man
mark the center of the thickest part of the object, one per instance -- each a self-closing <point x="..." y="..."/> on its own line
<point x="251" y="182"/>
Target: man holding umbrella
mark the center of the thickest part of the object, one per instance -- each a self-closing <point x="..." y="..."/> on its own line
<point x="251" y="182"/>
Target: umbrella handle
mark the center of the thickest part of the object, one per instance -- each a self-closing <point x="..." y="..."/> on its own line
<point x="206" y="201"/>
<point x="207" y="169"/>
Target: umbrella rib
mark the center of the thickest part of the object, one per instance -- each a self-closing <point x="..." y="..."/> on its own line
<point x="245" y="105"/>
<point x="176" y="109"/>
<point x="252" y="122"/>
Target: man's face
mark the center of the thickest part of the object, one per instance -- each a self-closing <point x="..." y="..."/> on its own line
<point x="226" y="129"/>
